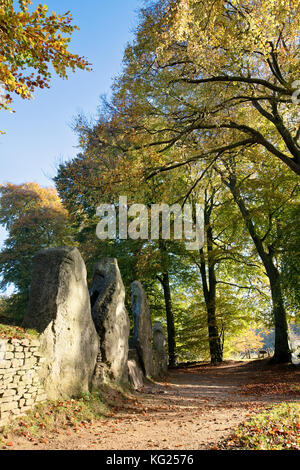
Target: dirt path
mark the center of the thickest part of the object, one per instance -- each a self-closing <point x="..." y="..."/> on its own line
<point x="196" y="408"/>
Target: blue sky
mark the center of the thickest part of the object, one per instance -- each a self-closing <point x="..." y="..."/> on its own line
<point x="38" y="135"/>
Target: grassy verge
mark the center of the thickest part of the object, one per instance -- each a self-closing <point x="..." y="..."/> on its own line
<point x="56" y="417"/>
<point x="277" y="428"/>
<point x="16" y="332"/>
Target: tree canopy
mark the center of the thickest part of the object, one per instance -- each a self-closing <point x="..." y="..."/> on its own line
<point x="222" y="71"/>
<point x="33" y="43"/>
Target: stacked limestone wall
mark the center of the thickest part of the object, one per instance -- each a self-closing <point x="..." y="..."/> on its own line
<point x="20" y="387"/>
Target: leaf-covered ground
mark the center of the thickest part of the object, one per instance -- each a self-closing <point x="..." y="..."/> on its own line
<point x="196" y="407"/>
<point x="277" y="428"/>
<point x="15" y="332"/>
<point x="54" y="417"/>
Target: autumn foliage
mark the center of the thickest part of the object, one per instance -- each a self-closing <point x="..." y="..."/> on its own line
<point x="34" y="219"/>
<point x="33" y="43"/>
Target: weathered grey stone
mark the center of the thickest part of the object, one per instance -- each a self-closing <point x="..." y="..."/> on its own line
<point x="59" y="309"/>
<point x="142" y="336"/>
<point x="135" y="373"/>
<point x="136" y="376"/>
<point x="159" y="350"/>
<point x="111" y="321"/>
<point x="159" y="338"/>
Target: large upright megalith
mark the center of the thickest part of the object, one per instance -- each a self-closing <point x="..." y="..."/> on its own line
<point x="111" y="320"/>
<point x="59" y="309"/>
<point x="159" y="349"/>
<point x="142" y="336"/>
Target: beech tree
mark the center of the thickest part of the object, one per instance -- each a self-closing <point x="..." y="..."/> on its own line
<point x="34" y="219"/>
<point x="32" y="44"/>
<point x="101" y="173"/>
<point x="79" y="184"/>
<point x="225" y="70"/>
<point x="209" y="79"/>
<point x="205" y="82"/>
<point x="264" y="213"/>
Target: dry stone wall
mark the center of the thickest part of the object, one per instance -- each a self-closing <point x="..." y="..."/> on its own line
<point x="20" y="386"/>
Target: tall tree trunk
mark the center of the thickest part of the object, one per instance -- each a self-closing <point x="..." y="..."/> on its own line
<point x="282" y="353"/>
<point x="165" y="282"/>
<point x="209" y="284"/>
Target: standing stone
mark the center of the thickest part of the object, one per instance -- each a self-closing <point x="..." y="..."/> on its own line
<point x="142" y="336"/>
<point x="136" y="376"/>
<point x="111" y="320"/>
<point x="59" y="309"/>
<point x="159" y="349"/>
